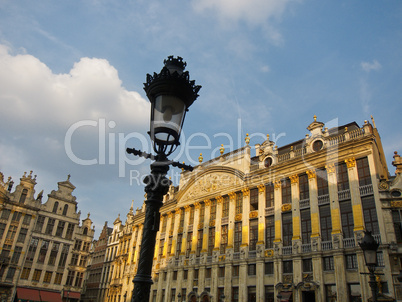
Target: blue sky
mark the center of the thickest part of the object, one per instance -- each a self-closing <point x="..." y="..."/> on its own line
<point x="72" y="72"/>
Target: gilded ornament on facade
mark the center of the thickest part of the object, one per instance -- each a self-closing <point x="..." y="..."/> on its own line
<point x="286" y="207"/>
<point x="253" y="214"/>
<point x="212" y="223"/>
<point x="170" y="232"/>
<point x="221" y="149"/>
<point x="200" y="225"/>
<point x="396" y="204"/>
<point x="207" y="202"/>
<point x="238" y="217"/>
<point x="278" y="184"/>
<point x="222" y="258"/>
<point x="219" y="199"/>
<point x="232" y="196"/>
<point x="261" y="188"/>
<point x="197" y="205"/>
<point x="170" y="214"/>
<point x="330" y="168"/>
<point x="311" y="174"/>
<point x="294" y="179"/>
<point x="269" y="253"/>
<point x="180" y="230"/>
<point x="246" y="191"/>
<point x="187" y="208"/>
<point x="350" y="162"/>
<point x="383" y="185"/>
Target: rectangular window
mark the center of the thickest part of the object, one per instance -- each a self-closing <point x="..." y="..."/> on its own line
<point x="347" y="218"/>
<point x="74" y="259"/>
<point x="58" y="278"/>
<point x="185" y="274"/>
<point x="181" y="220"/>
<point x="5" y="214"/>
<point x="351" y="261"/>
<point x="269" y="294"/>
<point x="161" y="245"/>
<point x="252" y="294"/>
<point x="224" y="239"/>
<point x="43" y="251"/>
<point x="53" y="253"/>
<point x="77" y="245"/>
<point x="78" y="280"/>
<point x="269" y="195"/>
<point x="202" y="213"/>
<point x="363" y="171"/>
<point x="2" y="229"/>
<point x="236" y="271"/>
<point x="208" y="272"/>
<point x="16" y="216"/>
<point x="328" y="263"/>
<point x="70" y="278"/>
<point x="225" y="207"/>
<point x="191" y="219"/>
<point x="36" y="275"/>
<point x="70" y="231"/>
<point x="22" y="235"/>
<point x="183" y="295"/>
<point x="199" y="241"/>
<point x="355" y="292"/>
<point x="342" y="176"/>
<point x="27" y="219"/>
<point x="174" y="275"/>
<point x="396" y="219"/>
<point x="235" y="294"/>
<point x="50" y="226"/>
<point x="252" y="269"/>
<point x="164" y="223"/>
<point x="12" y="230"/>
<point x="254" y="199"/>
<point x="25" y="273"/>
<point x="253" y="235"/>
<point x="173" y="295"/>
<point x="370" y="214"/>
<point x="307" y="265"/>
<point x="39" y="224"/>
<point x="269" y="268"/>
<point x="60" y="228"/>
<point x="83" y="261"/>
<point x="237" y="236"/>
<point x="269" y="232"/>
<point x="287" y="267"/>
<point x="286" y="191"/>
<point x="221" y="272"/>
<point x="48" y="277"/>
<point x="303" y="187"/>
<point x="305" y="225"/>
<point x="10" y="273"/>
<point x="189" y="243"/>
<point x="211" y="241"/>
<point x="239" y="202"/>
<point x="32" y="249"/>
<point x="325" y="222"/>
<point x="16" y="255"/>
<point x="322" y="182"/>
<point x="287" y="229"/>
<point x="64" y="255"/>
<point x="212" y="215"/>
<point x="178" y="245"/>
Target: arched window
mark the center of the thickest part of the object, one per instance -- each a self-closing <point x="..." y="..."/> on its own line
<point x="23" y="195"/>
<point x="86" y="231"/>
<point x="55" y="207"/>
<point x="65" y="209"/>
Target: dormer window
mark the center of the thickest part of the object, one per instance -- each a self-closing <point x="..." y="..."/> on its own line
<point x="23" y="195"/>
<point x="317" y="145"/>
<point x="55" y="207"/>
<point x="268" y="162"/>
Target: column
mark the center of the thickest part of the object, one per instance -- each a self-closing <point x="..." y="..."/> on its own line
<point x="197" y="207"/>
<point x="175" y="230"/>
<point x="261" y="215"/>
<point x="169" y="217"/>
<point x="185" y="229"/>
<point x="218" y="223"/>
<point x="232" y="213"/>
<point x="339" y="259"/>
<point x="314" y="209"/>
<point x="207" y="203"/>
<point x="355" y="194"/>
<point x="278" y="211"/>
<point x="246" y="211"/>
<point x="294" y="180"/>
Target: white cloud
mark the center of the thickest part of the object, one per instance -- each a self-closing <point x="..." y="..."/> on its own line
<point x="265" y="68"/>
<point x="367" y="66"/>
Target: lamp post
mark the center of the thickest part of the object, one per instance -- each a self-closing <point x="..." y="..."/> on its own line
<point x="171" y="93"/>
<point x="369" y="247"/>
<point x="179" y="297"/>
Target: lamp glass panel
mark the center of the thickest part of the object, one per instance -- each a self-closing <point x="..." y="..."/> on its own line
<point x="168" y="118"/>
<point x="370" y="256"/>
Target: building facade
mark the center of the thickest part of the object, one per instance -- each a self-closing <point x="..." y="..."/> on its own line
<point x="44" y="248"/>
<point x="283" y="221"/>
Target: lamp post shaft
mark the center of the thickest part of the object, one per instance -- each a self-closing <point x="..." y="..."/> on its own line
<point x="157" y="185"/>
<point x="373" y="284"/>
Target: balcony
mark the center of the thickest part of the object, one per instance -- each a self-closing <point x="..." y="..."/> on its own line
<point x="304" y="203"/>
<point x="326" y="245"/>
<point x="344" y="195"/>
<point x="366" y="190"/>
<point x="287" y="250"/>
<point x="323" y="199"/>
<point x="349" y="242"/>
<point x="306" y="248"/>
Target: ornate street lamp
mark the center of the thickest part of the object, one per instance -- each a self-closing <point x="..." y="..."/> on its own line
<point x="370" y="247"/>
<point x="171" y="93"/>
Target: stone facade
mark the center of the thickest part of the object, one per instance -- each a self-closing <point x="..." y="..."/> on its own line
<point x="44" y="249"/>
<point x="284" y="221"/>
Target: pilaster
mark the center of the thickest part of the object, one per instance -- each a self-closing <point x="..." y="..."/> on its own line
<point x="246" y="211"/>
<point x="294" y="180"/>
<point x="232" y="213"/>
<point x="278" y="211"/>
<point x="261" y="214"/>
<point x="314" y="209"/>
<point x="355" y="194"/>
<point x="333" y="196"/>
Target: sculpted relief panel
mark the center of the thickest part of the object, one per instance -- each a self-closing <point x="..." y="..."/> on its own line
<point x="210" y="183"/>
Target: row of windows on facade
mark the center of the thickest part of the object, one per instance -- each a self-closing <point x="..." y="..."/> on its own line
<point x="354" y="293"/>
<point x="346" y="210"/>
<point x="74" y="278"/>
